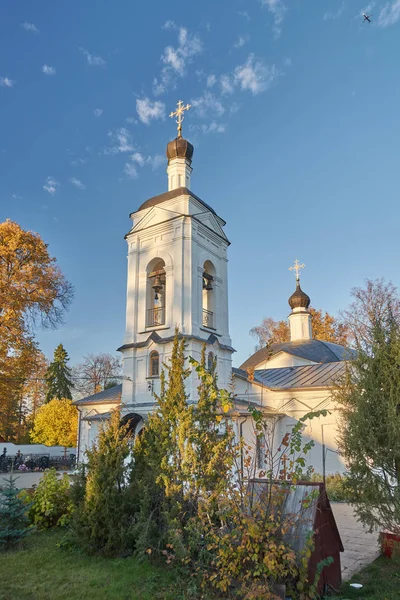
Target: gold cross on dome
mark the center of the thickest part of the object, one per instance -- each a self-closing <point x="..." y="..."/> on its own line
<point x="179" y="114"/>
<point x="296" y="267"/>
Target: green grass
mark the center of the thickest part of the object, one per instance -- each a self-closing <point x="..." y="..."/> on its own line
<point x="380" y="580"/>
<point x="41" y="571"/>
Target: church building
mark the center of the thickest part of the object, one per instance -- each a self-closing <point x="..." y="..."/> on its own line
<point x="177" y="277"/>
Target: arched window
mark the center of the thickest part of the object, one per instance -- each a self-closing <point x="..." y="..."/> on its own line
<point x="210" y="361"/>
<point x="208" y="299"/>
<point x="154" y="364"/>
<point x="155" y="293"/>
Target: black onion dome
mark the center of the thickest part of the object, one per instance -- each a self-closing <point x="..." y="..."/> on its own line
<point x="179" y="148"/>
<point x="299" y="299"/>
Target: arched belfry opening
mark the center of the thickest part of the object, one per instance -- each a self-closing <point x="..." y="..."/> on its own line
<point x="208" y="296"/>
<point x="155" y="293"/>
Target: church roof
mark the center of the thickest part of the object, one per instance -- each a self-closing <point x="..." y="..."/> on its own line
<point x="182" y="191"/>
<point x="113" y="394"/>
<point x="305" y="376"/>
<point x="314" y="350"/>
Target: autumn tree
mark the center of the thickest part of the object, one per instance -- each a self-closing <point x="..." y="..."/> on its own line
<point x="376" y="304"/>
<point x="96" y="372"/>
<point x="33" y="291"/>
<point x="58" y="376"/>
<point x="56" y="424"/>
<point x="324" y="327"/>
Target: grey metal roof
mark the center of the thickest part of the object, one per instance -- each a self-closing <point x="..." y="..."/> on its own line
<point x="314" y="350"/>
<point x="306" y="376"/>
<point x="111" y="395"/>
<point x="157" y="339"/>
<point x="182" y="191"/>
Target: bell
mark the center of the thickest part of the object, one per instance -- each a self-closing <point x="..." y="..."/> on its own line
<point x="209" y="287"/>
<point x="157" y="287"/>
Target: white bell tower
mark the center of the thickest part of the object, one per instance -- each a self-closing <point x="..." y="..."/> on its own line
<point x="300" y="317"/>
<point x="177" y="277"/>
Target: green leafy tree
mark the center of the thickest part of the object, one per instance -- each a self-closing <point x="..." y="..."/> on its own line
<point x="14" y="521"/>
<point x="104" y="512"/>
<point x="369" y="441"/>
<point x="58" y="376"/>
<point x="56" y="424"/>
<point x="50" y="503"/>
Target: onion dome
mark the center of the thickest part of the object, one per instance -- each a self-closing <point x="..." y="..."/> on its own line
<point x="299" y="299"/>
<point x="179" y="148"/>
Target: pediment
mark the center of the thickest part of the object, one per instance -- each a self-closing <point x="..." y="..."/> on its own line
<point x="209" y="220"/>
<point x="154" y="216"/>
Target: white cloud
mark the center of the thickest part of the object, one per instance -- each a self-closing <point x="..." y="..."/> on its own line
<point x="169" y="25"/>
<point x="244" y="14"/>
<point x="226" y="85"/>
<point x="241" y="41"/>
<point x="77" y="183"/>
<point x="208" y="104"/>
<point x="287" y="62"/>
<point x="211" y="80"/>
<point x="212" y="127"/>
<point x="148" y="110"/>
<point x="98" y="112"/>
<point x="16" y="197"/>
<point x="254" y="76"/>
<point x="93" y="61"/>
<point x="390" y="14"/>
<point x="332" y="16"/>
<point x="51" y="185"/>
<point x="131" y="120"/>
<point x="30" y="27"/>
<point x="130" y="171"/>
<point x="139" y="160"/>
<point x="122" y="141"/>
<point x="48" y="70"/>
<point x="278" y="10"/>
<point x="6" y="82"/>
<point x="176" y="59"/>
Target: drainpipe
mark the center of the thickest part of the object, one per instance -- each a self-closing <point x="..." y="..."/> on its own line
<point x="240" y="437"/>
<point x="78" y="445"/>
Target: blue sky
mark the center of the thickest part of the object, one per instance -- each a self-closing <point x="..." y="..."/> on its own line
<point x="295" y="123"/>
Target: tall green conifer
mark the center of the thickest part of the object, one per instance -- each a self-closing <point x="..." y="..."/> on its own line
<point x="58" y="376"/>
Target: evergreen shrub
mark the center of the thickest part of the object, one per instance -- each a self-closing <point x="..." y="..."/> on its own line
<point x="14" y="521"/>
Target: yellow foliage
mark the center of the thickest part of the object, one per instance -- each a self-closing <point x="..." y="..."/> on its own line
<point x="56" y="424"/>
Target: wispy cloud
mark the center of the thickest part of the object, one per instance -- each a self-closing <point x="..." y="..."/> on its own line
<point x="51" y="185"/>
<point x="211" y="80"/>
<point x="6" y="82"/>
<point x="92" y="60"/>
<point x="16" y="197"/>
<point x="176" y="59"/>
<point x="139" y="160"/>
<point x="98" y="112"/>
<point x="278" y="10"/>
<point x="169" y="24"/>
<point x="241" y="41"/>
<point x="121" y="140"/>
<point x="254" y="76"/>
<point x="208" y="104"/>
<point x="212" y="127"/>
<point x="389" y="14"/>
<point x="149" y="111"/>
<point x="48" y="70"/>
<point x="77" y="183"/>
<point x="226" y="84"/>
<point x="30" y="27"/>
<point x="336" y="14"/>
<point x="244" y="14"/>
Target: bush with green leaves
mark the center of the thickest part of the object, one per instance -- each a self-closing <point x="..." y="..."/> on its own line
<point x="50" y="501"/>
<point x="335" y="486"/>
<point x="104" y="510"/>
<point x="14" y="520"/>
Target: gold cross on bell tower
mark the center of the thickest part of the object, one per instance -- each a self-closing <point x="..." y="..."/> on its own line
<point x="179" y="114"/>
<point x="296" y="267"/>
